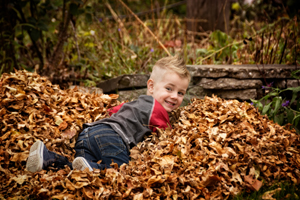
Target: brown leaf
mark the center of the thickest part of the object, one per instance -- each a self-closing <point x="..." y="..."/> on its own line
<point x="46" y="108"/>
<point x="20" y="179"/>
<point x="269" y="194"/>
<point x="63" y="125"/>
<point x="216" y="148"/>
<point x="154" y="179"/>
<point x="88" y="192"/>
<point x="253" y="183"/>
<point x="69" y="133"/>
<point x="18" y="157"/>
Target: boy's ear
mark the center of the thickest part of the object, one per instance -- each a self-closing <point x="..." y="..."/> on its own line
<point x="150" y="85"/>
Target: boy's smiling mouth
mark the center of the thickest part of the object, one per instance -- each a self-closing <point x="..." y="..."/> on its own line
<point x="170" y="103"/>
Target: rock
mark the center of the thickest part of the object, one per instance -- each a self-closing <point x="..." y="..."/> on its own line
<point x="200" y="92"/>
<point x="281" y="83"/>
<point x="237" y="94"/>
<point x="124" y="82"/>
<point x="229" y="83"/>
<point x="193" y="92"/>
<point x="130" y="95"/>
<point x="293" y="83"/>
<point x="241" y="71"/>
<point x="196" y="92"/>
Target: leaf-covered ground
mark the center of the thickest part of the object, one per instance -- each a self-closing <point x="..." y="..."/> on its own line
<point x="216" y="149"/>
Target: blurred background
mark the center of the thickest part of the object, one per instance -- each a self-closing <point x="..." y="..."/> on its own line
<point x="86" y="41"/>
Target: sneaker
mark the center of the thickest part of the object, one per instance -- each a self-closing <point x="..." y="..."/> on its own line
<point x="39" y="157"/>
<point x="80" y="163"/>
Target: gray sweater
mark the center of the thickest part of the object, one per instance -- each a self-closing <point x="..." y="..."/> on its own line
<point x="133" y="120"/>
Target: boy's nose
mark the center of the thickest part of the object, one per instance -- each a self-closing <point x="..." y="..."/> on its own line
<point x="174" y="95"/>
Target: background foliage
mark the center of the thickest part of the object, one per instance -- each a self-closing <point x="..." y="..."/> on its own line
<point x="281" y="105"/>
<point x="82" y="42"/>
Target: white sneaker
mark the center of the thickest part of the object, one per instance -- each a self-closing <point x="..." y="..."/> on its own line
<point x="80" y="163"/>
<point x="35" y="159"/>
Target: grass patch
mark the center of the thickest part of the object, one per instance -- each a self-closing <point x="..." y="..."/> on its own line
<point x="278" y="191"/>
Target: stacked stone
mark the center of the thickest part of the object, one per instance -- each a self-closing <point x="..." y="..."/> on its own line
<point x="241" y="82"/>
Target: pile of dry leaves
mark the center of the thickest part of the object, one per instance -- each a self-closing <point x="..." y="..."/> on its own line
<point x="216" y="149"/>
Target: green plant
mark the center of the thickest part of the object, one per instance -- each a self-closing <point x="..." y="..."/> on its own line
<point x="221" y="48"/>
<point x="281" y="105"/>
<point x="34" y="33"/>
<point x="89" y="41"/>
<point x="273" y="43"/>
<point x="278" y="190"/>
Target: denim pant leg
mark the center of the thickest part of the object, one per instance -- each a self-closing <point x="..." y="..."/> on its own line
<point x="101" y="142"/>
<point x="55" y="160"/>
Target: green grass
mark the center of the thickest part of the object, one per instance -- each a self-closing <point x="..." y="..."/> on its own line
<point x="280" y="190"/>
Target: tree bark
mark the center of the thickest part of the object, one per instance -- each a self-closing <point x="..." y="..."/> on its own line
<point x="62" y="38"/>
<point x="208" y="15"/>
<point x="8" y="60"/>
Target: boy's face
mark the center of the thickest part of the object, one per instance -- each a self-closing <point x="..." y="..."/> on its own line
<point x="168" y="90"/>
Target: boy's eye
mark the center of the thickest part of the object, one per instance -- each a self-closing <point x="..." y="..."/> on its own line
<point x="181" y="93"/>
<point x="169" y="89"/>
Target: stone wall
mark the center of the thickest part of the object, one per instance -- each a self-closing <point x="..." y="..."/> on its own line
<point x="241" y="82"/>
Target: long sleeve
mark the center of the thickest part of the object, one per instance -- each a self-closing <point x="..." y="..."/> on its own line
<point x="136" y="119"/>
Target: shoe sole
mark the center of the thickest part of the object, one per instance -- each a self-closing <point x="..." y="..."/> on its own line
<point x="80" y="164"/>
<point x="35" y="158"/>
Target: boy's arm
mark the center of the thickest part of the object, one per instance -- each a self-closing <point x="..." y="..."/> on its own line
<point x="114" y="109"/>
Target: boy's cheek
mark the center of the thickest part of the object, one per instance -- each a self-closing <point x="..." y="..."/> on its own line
<point x="181" y="99"/>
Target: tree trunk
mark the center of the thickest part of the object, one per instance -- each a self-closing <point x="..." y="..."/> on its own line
<point x="57" y="55"/>
<point x="8" y="60"/>
<point x="208" y="15"/>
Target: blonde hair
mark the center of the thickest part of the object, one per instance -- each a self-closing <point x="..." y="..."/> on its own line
<point x="173" y="63"/>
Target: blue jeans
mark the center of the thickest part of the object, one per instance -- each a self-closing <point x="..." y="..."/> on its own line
<point x="101" y="142"/>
